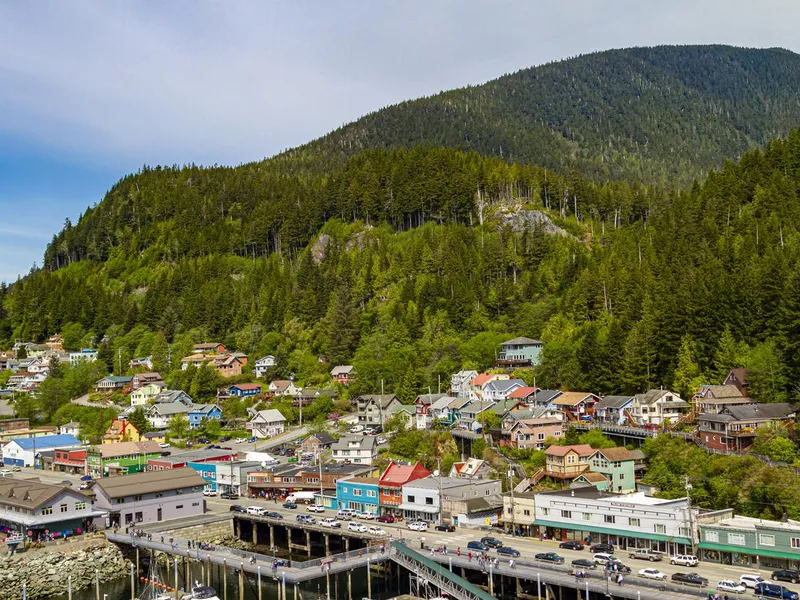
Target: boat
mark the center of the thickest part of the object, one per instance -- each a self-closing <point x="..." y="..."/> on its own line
<point x="203" y="592"/>
<point x="154" y="589"/>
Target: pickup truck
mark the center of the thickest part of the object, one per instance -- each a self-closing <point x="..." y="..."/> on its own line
<point x="645" y="554"/>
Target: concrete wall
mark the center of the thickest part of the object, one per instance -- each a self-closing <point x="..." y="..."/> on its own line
<point x="204" y="533"/>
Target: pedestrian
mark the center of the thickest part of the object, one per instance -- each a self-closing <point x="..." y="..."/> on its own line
<point x="470" y="556"/>
<point x="619" y="579"/>
<point x="458" y="551"/>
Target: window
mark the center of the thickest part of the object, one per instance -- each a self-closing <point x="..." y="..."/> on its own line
<point x="766" y="539"/>
<point x="621" y="476"/>
<point x="137" y="498"/>
<point x="567" y="514"/>
<point x="344" y="490"/>
<point x="138" y="517"/>
<point x="712" y="536"/>
<point x="119" y="501"/>
<point x="47" y="510"/>
<point x="587" y="516"/>
<point x="545" y="511"/>
<point x="526" y="512"/>
<point x="609" y="518"/>
<point x="180" y="506"/>
<point x="159" y="494"/>
<point x="540" y="436"/>
<point x="370" y="493"/>
<point x="659" y="528"/>
<point x="737" y="539"/>
<point x="195" y="504"/>
<point x="634" y="522"/>
<point x="128" y="518"/>
<point x="411" y="499"/>
<point x="429" y="501"/>
<point x="795" y="543"/>
<point x="356" y="492"/>
<point x="571" y="459"/>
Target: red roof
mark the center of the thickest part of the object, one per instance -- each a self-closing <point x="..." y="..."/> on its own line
<point x="523" y="392"/>
<point x="396" y="474"/>
<point x="581" y="449"/>
<point x="482" y="378"/>
<point x="247" y="386"/>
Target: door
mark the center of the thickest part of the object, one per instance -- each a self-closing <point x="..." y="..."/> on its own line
<point x="158" y="514"/>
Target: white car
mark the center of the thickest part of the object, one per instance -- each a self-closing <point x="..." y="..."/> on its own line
<point x="329" y="522"/>
<point x="731" y="586"/>
<point x="751" y="581"/>
<point x="259" y="511"/>
<point x="685" y="560"/>
<point x="603" y="559"/>
<point x="418" y="525"/>
<point x="209" y="493"/>
<point x="355" y="514"/>
<point x="164" y="445"/>
<point x="344" y="514"/>
<point x="357" y="429"/>
<point x="5" y="473"/>
<point x="376" y="531"/>
<point x="380" y="440"/>
<point x="652" y="574"/>
<point x="367" y="516"/>
<point x="356" y="526"/>
<point x="315" y="508"/>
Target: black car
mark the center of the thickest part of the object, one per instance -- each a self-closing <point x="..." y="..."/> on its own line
<point x="238" y="508"/>
<point x="445" y="527"/>
<point x="549" y="557"/>
<point x="584" y="563"/>
<point x="571" y="545"/>
<point x="203" y="440"/>
<point x="790" y="575"/>
<point x="225" y="438"/>
<point x="491" y="542"/>
<point x="690" y="579"/>
<point x="508" y="551"/>
<point x="602" y="548"/>
<point x="620" y="568"/>
<point x="289" y="505"/>
<point x="229" y="496"/>
<point x="474" y="545"/>
<point x="274" y="515"/>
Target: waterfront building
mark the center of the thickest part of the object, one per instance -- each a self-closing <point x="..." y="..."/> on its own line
<point x="22" y="452"/>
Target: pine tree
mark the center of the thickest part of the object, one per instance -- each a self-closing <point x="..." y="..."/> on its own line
<point x="342" y="325"/>
<point x="687" y="372"/>
<point x="159" y="350"/>
<point x="726" y="355"/>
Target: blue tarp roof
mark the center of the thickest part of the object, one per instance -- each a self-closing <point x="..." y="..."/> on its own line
<point x="47" y="441"/>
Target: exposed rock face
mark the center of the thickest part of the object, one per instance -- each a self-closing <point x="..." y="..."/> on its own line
<point x="521" y="220"/>
<point x="46" y="572"/>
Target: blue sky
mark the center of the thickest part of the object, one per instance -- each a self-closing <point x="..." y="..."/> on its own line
<point x="90" y="91"/>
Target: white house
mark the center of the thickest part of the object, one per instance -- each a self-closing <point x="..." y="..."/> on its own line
<point x="84" y="355"/>
<point x="21" y="452"/>
<point x="469" y="413"/>
<point x="145" y="393"/>
<point x="262" y="364"/>
<point x="461" y="499"/>
<point x="656" y="407"/>
<point x="170" y="396"/>
<point x="357" y="449"/>
<point x="158" y="415"/>
<point x="499" y="389"/>
<point x="460" y="383"/>
<point x="267" y="423"/>
<point x="627" y="520"/>
<point x="283" y="387"/>
<point x="71" y="428"/>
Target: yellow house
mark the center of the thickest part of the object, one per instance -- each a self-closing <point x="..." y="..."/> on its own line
<point x="156" y="436"/>
<point x="121" y="431"/>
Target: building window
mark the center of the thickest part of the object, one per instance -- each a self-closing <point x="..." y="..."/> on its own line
<point x="609" y="518"/>
<point x="370" y="493"/>
<point x="128" y="518"/>
<point x="63" y="507"/>
<point x="411" y="499"/>
<point x="566" y="514"/>
<point x="634" y="522"/>
<point x="795" y="543"/>
<point x="180" y="506"/>
<point x="737" y="539"/>
<point x="138" y="517"/>
<point x="48" y="510"/>
<point x="80" y="505"/>
<point x="356" y="492"/>
<point x="429" y="501"/>
<point x="766" y="539"/>
<point x="546" y="512"/>
<point x="659" y="528"/>
<point x="120" y="501"/>
<point x="587" y="516"/>
<point x="712" y="536"/>
<point x="159" y="495"/>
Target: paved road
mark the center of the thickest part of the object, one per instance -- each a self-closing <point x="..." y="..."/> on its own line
<point x="287" y="436"/>
<point x="527" y="546"/>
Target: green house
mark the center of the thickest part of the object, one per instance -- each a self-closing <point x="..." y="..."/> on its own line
<point x="617" y="465"/>
<point x="124" y="458"/>
<point x="749" y="542"/>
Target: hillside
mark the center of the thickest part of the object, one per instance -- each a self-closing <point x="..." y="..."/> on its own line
<point x="663" y="114"/>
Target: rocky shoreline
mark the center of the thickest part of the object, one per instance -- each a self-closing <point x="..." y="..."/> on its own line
<point x="46" y="572"/>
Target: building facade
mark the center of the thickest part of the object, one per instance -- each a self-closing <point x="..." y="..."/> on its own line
<point x="358" y="493"/>
<point x="749" y="542"/>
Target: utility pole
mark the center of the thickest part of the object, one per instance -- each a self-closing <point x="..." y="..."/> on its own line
<point x="688" y="488"/>
<point x="441" y="498"/>
<point x="380" y="407"/>
<point x="513" y="514"/>
<point x="321" y="493"/>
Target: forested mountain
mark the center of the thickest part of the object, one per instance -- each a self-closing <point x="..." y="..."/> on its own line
<point x="665" y="114"/>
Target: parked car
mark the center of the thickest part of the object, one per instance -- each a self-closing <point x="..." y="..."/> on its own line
<point x="86" y="485"/>
<point x="475" y="545"/>
<point x="345" y="514"/>
<point x="508" y="551"/>
<point x="652" y="574"/>
<point x="376" y="531"/>
<point x="291" y="505"/>
<point x="790" y="575"/>
<point x="731" y="586"/>
<point x="357" y="429"/>
<point x="164" y="445"/>
<point x="386" y="519"/>
<point x="6" y="473"/>
<point x="571" y="545"/>
<point x="684" y="560"/>
<point x="229" y="496"/>
<point x="367" y="516"/>
<point x="238" y="508"/>
<point x="751" y="581"/>
<point x="16" y="469"/>
<point x="584" y="563"/>
<point x="601" y="558"/>
<point x="259" y="511"/>
<point x="445" y="527"/>
<point x="274" y="515"/>
<point x="771" y="590"/>
<point x="645" y="554"/>
<point x="356" y="526"/>
<point x="307" y="519"/>
<point x="550" y="557"/>
<point x="209" y="493"/>
<point x="690" y="579"/>
<point x="329" y="522"/>
<point x="604" y="548"/>
<point x="315" y="508"/>
<point x="225" y="438"/>
<point x="418" y="525"/>
<point x="203" y="440"/>
<point x="380" y="440"/>
<point x="492" y="542"/>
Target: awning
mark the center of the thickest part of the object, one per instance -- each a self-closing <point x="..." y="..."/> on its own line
<point x="418" y="508"/>
<point x="624" y="533"/>
<point x="747" y="550"/>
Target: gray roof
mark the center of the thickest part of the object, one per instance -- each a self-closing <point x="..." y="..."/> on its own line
<point x="613" y="402"/>
<point x="528" y="413"/>
<point x="202" y="408"/>
<point x="194" y="456"/>
<point x="365" y="442"/>
<point x="30" y="494"/>
<point x="429" y="398"/>
<point x="169" y="408"/>
<point x="271" y="415"/>
<point x="434" y="483"/>
<point x="721" y="391"/>
<point x="748" y="412"/>
<point x="477" y="406"/>
<point x="382" y="400"/>
<point x="522" y="341"/>
<point x="502" y="385"/>
<point x="149" y="482"/>
<point x="545" y="396"/>
<point x="653" y="396"/>
<point x="322" y="437"/>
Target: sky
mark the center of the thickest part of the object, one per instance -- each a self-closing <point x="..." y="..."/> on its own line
<point x="91" y="90"/>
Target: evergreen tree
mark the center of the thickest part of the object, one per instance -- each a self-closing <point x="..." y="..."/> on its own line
<point x="342" y="323"/>
<point x="726" y="355"/>
<point x="204" y="383"/>
<point x="137" y="419"/>
<point x="687" y="372"/>
<point x="159" y="350"/>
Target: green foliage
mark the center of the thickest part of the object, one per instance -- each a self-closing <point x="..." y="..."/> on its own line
<point x="204" y="383"/>
<point x="178" y="426"/>
<point x="596" y="439"/>
<point x="137" y="419"/>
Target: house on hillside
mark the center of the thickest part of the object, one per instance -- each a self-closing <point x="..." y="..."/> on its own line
<point x="576" y="406"/>
<point x="714" y="398"/>
<point x="617" y="466"/>
<point x="406" y="414"/>
<point x="616" y="410"/>
<point x="263" y="364"/>
<point x="544" y="397"/>
<point x="378" y="408"/>
<point x="734" y="427"/>
<point x="391" y="482"/>
<point x="121" y="430"/>
<point x="71" y="428"/>
<point x="499" y="389"/>
<point x="230" y="365"/>
<point x="170" y="396"/>
<point x="422" y="408"/>
<point x="450" y="413"/>
<point x="524" y="394"/>
<point x="343" y="374"/>
<point x="244" y="390"/>
<point x="112" y="383"/>
<point x="532" y="432"/>
<point x="317" y="442"/>
<point x="308" y="395"/>
<point x="479" y="383"/>
<point x="158" y="415"/>
<point x="267" y="423"/>
<point x="567" y="462"/>
<point x="200" y="413"/>
<point x="469" y="414"/>
<point x="739" y="379"/>
<point x="283" y="387"/>
<point x="142" y="379"/>
<point x="658" y="407"/>
<point x="473" y="468"/>
<point x="209" y="348"/>
<point x="519" y="352"/>
<point x="83" y="355"/>
<point x="460" y="383"/>
<point x="144" y="362"/>
<point x="145" y="393"/>
<point x="357" y="449"/>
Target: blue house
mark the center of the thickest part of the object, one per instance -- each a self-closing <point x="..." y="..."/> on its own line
<point x="208" y="471"/>
<point x="358" y="493"/>
<point x="198" y="412"/>
<point x="245" y="390"/>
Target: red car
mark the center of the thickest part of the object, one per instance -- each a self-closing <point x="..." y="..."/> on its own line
<point x="385" y="519"/>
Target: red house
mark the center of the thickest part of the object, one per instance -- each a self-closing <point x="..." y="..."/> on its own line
<point x="343" y="374"/>
<point x="70" y="461"/>
<point x="390" y="485"/>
